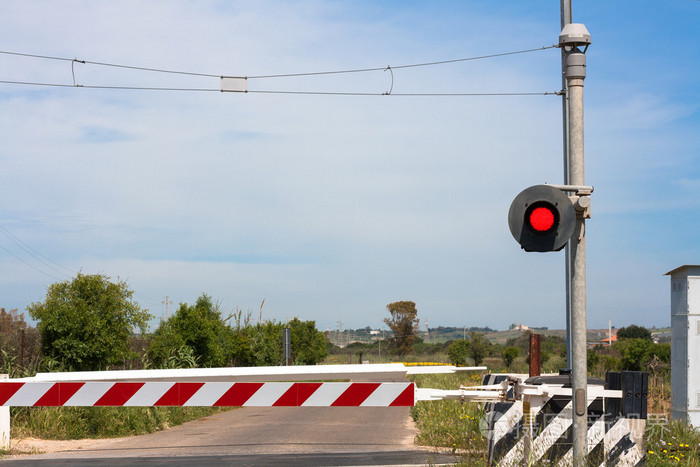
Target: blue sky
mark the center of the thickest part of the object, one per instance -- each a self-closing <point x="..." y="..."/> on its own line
<point x="330" y="207"/>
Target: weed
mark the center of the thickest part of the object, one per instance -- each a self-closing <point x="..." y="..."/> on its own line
<point x="449" y="423"/>
<point x="455" y="426"/>
<point x="99" y="422"/>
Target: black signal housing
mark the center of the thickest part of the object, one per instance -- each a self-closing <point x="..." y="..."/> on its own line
<point x="542" y="218"/>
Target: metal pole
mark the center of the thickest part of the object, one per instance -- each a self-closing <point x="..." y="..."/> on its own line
<point x="287" y="345"/>
<point x="575" y="74"/>
<point x="566" y="19"/>
<point x="21" y="349"/>
<point x="535" y="355"/>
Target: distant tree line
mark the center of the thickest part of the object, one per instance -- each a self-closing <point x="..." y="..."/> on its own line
<point x="453" y="329"/>
<point x="91" y="323"/>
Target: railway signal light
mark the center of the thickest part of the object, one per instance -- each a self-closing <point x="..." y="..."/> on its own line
<point x="542" y="218"/>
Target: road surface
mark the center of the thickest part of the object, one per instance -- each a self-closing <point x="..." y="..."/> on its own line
<point x="265" y="436"/>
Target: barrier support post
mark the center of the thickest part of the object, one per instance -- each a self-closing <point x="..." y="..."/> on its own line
<point x="4" y="423"/>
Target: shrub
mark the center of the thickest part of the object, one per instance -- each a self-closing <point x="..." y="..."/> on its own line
<point x="509" y="355"/>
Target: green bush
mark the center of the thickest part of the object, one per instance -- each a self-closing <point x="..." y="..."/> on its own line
<point x="458" y="351"/>
<point x="200" y="331"/>
<point x="449" y="423"/>
<point x="637" y="353"/>
<point x="633" y="332"/>
<point x="509" y="355"/>
<point x="85" y="324"/>
<point x="199" y="328"/>
<point x="99" y="422"/>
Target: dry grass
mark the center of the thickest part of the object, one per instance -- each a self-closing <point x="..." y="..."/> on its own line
<point x="455" y="426"/>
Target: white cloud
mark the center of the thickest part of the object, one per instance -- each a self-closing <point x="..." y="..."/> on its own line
<point x="327" y="206"/>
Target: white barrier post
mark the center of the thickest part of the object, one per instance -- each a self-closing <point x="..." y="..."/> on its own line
<point x="4" y="423"/>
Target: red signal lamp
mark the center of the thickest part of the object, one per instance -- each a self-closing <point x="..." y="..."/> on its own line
<point x="542" y="218"/>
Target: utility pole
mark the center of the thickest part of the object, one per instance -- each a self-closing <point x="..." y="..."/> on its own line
<point x="571" y="38"/>
<point x="166" y="303"/>
<point x="566" y="19"/>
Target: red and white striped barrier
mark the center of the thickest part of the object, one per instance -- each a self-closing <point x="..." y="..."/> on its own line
<point x="218" y="394"/>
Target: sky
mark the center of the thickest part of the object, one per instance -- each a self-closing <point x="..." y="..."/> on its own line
<point x="326" y="204"/>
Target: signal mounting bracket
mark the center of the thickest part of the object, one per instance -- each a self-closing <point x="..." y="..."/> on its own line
<point x="581" y="198"/>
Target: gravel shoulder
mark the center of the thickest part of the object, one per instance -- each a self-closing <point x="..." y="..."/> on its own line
<point x="24" y="446"/>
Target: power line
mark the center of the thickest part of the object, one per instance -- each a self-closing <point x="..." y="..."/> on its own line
<point x="415" y="65"/>
<point x="314" y="93"/>
<point x="122" y="88"/>
<point x="114" y="65"/>
<point x="35" y="254"/>
<point x="29" y="264"/>
<point x="418" y="94"/>
<point x="285" y="75"/>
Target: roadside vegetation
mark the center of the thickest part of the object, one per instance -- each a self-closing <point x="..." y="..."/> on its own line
<point x="91" y="323"/>
<point x="451" y="425"/>
<point x="72" y="335"/>
<point x="458" y="427"/>
<point x="99" y="422"/>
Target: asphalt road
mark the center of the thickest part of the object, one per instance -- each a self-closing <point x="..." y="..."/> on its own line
<point x="313" y="436"/>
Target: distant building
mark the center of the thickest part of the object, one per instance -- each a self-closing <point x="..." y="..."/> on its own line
<point x="608" y="340"/>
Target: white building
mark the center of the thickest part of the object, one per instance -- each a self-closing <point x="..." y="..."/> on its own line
<point x="685" y="343"/>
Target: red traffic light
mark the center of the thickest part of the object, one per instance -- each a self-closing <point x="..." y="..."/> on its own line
<point x="541" y="218"/>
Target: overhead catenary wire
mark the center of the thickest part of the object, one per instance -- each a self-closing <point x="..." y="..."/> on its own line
<point x="35" y="254"/>
<point x="122" y="88"/>
<point x="316" y="93"/>
<point x="18" y="258"/>
<point x="285" y="75"/>
<point x="415" y="65"/>
<point x="417" y="94"/>
<point x="114" y="65"/>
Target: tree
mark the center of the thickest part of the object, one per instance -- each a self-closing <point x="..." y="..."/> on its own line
<point x="457" y="351"/>
<point x="592" y="360"/>
<point x="266" y="344"/>
<point x="308" y="343"/>
<point x="19" y="343"/>
<point x="198" y="330"/>
<point x="509" y="355"/>
<point x="402" y="322"/>
<point x="85" y="324"/>
<point x="633" y="332"/>
<point x="265" y="339"/>
<point x="636" y="353"/>
<point x="478" y="346"/>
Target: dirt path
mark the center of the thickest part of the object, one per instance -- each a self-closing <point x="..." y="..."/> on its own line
<point x="23" y="446"/>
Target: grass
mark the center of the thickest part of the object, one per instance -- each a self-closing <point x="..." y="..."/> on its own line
<point x="672" y="443"/>
<point x="99" y="422"/>
<point x="451" y="424"/>
<point x="455" y="426"/>
<point x="353" y="358"/>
